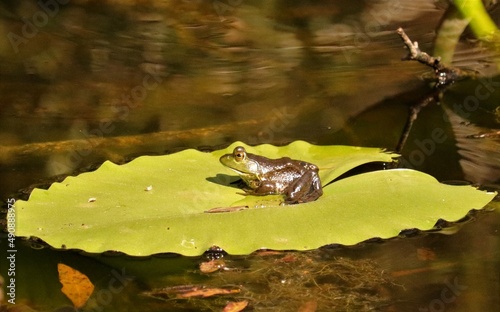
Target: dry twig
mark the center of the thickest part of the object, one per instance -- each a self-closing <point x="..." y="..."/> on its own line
<point x="445" y="75"/>
<point x="414" y="52"/>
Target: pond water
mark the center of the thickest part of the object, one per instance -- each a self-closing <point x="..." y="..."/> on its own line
<point x="83" y="82"/>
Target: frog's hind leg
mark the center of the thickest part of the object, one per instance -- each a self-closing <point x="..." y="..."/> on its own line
<point x="312" y="196"/>
<point x="305" y="189"/>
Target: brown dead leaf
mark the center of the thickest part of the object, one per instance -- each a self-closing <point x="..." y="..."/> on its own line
<point x="212" y="266"/>
<point x="226" y="209"/>
<point x="435" y="267"/>
<point x="75" y="285"/>
<point x="190" y="291"/>
<point x="235" y="306"/>
<point x="265" y="253"/>
<point x="208" y="292"/>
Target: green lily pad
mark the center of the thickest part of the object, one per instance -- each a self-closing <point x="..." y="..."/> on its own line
<point x="158" y="204"/>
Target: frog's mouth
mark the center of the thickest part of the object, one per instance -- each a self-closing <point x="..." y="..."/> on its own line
<point x="249" y="168"/>
<point x="239" y="172"/>
<point x="245" y="175"/>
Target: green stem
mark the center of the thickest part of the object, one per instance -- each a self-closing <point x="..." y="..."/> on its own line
<point x="448" y="34"/>
<point x="479" y="21"/>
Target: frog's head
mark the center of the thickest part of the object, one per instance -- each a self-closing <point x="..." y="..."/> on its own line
<point x="241" y="162"/>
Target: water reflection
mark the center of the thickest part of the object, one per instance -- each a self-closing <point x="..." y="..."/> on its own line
<point x="85" y="82"/>
<point x="85" y="72"/>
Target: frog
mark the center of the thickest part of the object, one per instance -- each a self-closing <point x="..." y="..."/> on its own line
<point x="297" y="180"/>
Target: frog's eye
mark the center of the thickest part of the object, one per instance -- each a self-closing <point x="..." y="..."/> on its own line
<point x="239" y="153"/>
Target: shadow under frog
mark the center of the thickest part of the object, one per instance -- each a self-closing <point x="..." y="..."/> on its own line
<point x="227" y="180"/>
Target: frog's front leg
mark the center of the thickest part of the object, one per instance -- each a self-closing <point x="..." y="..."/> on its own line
<point x="263" y="188"/>
<point x="305" y="189"/>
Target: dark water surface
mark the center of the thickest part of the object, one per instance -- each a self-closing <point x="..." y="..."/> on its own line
<point x="84" y="82"/>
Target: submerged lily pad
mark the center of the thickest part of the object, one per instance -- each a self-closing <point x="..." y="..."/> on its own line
<point x="158" y="204"/>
